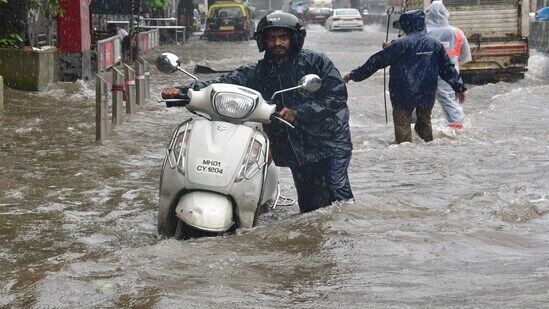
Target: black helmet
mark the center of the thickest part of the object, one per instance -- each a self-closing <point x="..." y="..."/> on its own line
<point x="282" y="20"/>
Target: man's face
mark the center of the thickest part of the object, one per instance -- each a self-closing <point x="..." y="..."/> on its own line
<point x="278" y="42"/>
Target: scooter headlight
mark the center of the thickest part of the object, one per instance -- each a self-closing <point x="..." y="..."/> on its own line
<point x="233" y="105"/>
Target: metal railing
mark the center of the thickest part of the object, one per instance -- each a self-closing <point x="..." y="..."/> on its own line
<point x="131" y="87"/>
<point x="148" y="40"/>
<point x="109" y="53"/>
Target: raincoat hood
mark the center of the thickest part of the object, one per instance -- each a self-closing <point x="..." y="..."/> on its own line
<point x="412" y="21"/>
<point x="437" y="15"/>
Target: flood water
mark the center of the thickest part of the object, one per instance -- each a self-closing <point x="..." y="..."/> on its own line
<point x="458" y="222"/>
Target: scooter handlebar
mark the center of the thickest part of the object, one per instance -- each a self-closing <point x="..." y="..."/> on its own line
<point x="176" y="102"/>
<point x="282" y="120"/>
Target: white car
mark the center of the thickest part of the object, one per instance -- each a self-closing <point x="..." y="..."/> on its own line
<point x="344" y="19"/>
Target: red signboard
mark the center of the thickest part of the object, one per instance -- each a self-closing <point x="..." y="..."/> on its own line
<point x="74" y="26"/>
<point x="144" y="42"/>
<point x="107" y="53"/>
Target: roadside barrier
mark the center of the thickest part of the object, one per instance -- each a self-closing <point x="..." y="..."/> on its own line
<point x="128" y="87"/>
<point x="101" y="109"/>
<point x="118" y="92"/>
<point x="176" y="30"/>
<point x="146" y="69"/>
<point x="109" y="50"/>
<point x="148" y="40"/>
<point x="109" y="53"/>
<point x="140" y="84"/>
<point x="129" y="83"/>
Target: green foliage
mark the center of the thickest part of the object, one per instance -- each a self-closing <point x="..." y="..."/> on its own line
<point x="11" y="41"/>
<point x="37" y="4"/>
<point x="156" y="5"/>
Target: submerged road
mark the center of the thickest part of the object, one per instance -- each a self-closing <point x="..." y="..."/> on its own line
<point x="458" y="222"/>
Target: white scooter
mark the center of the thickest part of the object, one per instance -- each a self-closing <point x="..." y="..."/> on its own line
<point x="216" y="175"/>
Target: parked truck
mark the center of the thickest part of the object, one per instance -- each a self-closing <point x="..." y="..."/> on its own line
<point x="497" y="31"/>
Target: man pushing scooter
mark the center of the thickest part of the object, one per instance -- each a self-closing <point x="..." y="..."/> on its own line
<point x="318" y="150"/>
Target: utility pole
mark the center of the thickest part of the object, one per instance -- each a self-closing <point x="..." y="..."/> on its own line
<point x="134" y="29"/>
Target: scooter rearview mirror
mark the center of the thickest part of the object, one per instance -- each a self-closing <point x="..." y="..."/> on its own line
<point x="167" y="63"/>
<point x="310" y="83"/>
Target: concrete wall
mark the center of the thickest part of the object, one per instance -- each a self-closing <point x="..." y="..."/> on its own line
<point x="539" y="36"/>
<point x="74" y="66"/>
<point x="31" y="70"/>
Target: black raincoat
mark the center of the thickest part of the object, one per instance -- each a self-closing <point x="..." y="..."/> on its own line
<point x="416" y="61"/>
<point x="322" y="118"/>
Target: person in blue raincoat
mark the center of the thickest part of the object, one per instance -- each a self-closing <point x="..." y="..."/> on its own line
<point x="416" y="61"/>
<point x="318" y="150"/>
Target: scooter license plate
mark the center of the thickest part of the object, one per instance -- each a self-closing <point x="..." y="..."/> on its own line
<point x="226" y="28"/>
<point x="210" y="166"/>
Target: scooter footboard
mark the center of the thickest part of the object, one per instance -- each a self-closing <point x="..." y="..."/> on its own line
<point x="207" y="211"/>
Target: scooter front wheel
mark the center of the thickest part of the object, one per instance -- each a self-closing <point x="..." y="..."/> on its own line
<point x="180" y="230"/>
<point x="184" y="231"/>
<point x="167" y="221"/>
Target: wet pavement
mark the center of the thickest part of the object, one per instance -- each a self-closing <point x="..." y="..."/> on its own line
<point x="458" y="222"/>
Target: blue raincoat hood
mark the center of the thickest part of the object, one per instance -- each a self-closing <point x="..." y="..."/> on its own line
<point x="412" y="21"/>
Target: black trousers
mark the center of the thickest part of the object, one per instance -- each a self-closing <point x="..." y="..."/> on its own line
<point x="322" y="183"/>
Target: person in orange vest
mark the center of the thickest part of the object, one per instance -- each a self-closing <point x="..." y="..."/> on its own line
<point x="457" y="47"/>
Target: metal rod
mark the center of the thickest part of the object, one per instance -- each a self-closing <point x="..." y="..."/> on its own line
<point x="101" y="106"/>
<point x="129" y="82"/>
<point x="139" y="83"/>
<point x="188" y="74"/>
<point x="389" y="13"/>
<point x="117" y="97"/>
<point x="285" y="90"/>
<point x="147" y="73"/>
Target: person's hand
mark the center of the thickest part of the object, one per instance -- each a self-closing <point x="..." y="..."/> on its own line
<point x="460" y="96"/>
<point x="287" y="114"/>
<point x="384" y="45"/>
<point x="170" y="93"/>
<point x="347" y="77"/>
